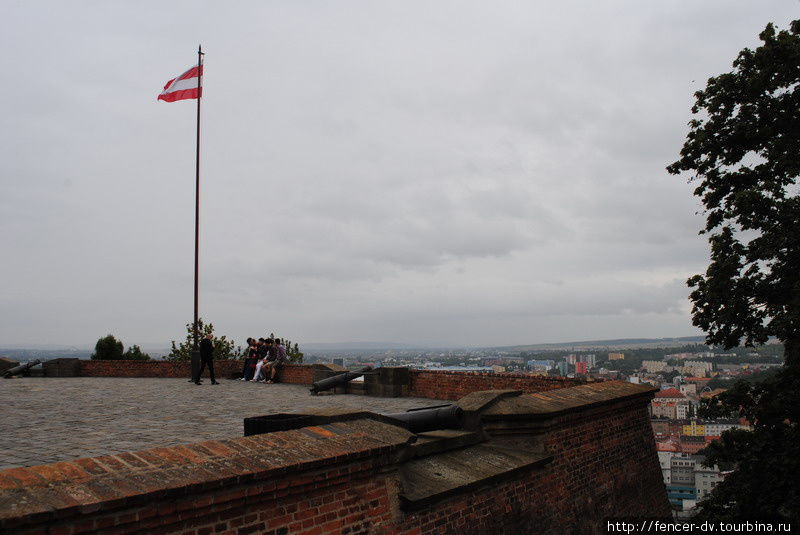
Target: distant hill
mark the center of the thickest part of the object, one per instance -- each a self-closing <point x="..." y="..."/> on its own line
<point x="24" y="355"/>
<point x="46" y="351"/>
<point x="621" y="343"/>
<point x="355" y="346"/>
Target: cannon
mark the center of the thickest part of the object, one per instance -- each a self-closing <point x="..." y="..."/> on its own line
<point x="337" y="380"/>
<point x="430" y="418"/>
<point x="22" y="368"/>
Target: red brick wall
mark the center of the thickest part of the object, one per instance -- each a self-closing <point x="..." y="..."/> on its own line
<point x="290" y="373"/>
<point x="604" y="466"/>
<point x="343" y="480"/>
<point x="298" y="374"/>
<point x="446" y="385"/>
<point x="605" y="458"/>
<point x="455" y="385"/>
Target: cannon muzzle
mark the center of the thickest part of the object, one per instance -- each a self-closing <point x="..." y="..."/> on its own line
<point x="430" y="418"/>
<point x="22" y="368"/>
<point x="336" y="380"/>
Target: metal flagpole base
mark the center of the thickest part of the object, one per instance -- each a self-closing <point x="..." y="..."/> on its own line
<point x="195" y="365"/>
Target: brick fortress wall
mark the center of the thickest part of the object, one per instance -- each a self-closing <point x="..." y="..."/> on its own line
<point x="598" y="461"/>
<point x="291" y="373"/>
<point x="453" y="385"/>
<point x="446" y="385"/>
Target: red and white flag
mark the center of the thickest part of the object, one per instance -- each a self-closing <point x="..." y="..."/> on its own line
<point x="187" y="85"/>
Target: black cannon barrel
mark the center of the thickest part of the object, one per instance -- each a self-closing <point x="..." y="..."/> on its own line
<point x="22" y="368"/>
<point x="440" y="417"/>
<point x="336" y="380"/>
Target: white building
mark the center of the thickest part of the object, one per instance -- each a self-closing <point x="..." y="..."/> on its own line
<point x="705" y="479"/>
<point x="654" y="366"/>
<point x="697" y="368"/>
<point x="715" y="428"/>
<point x="664" y="459"/>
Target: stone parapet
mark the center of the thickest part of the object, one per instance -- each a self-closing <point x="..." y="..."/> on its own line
<point x="550" y="462"/>
<point x="454" y="385"/>
<point x="290" y="373"/>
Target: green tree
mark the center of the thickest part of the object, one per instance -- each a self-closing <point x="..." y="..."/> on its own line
<point x="742" y="149"/>
<point x="134" y="352"/>
<point x="292" y="352"/>
<point x="295" y="355"/>
<point x="224" y="349"/>
<point x="107" y="348"/>
<point x="766" y="460"/>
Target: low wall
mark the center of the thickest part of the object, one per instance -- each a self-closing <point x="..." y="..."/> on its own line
<point x="598" y="461"/>
<point x="444" y="385"/>
<point x="290" y="373"/>
<point x="452" y="385"/>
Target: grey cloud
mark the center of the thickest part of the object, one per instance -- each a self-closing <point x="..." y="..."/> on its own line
<point x="457" y="172"/>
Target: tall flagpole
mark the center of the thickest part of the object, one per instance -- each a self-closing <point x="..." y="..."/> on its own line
<point x="197" y="191"/>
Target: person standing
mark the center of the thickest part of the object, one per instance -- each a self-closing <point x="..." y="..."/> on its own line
<point x="207" y="357"/>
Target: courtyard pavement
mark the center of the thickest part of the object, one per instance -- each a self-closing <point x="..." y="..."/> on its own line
<point x="46" y="420"/>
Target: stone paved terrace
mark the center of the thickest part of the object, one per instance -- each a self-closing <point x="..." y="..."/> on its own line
<point x="47" y="420"/>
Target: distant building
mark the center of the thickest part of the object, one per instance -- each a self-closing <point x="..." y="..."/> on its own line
<point x="693" y="444"/>
<point x="590" y="360"/>
<point x="562" y="368"/>
<point x="679" y="356"/>
<point x="654" y="366"/>
<point x="339" y="362"/>
<point x="664" y="459"/>
<point x="713" y="393"/>
<point x="678" y="494"/>
<point x="701" y="382"/>
<point x="697" y="368"/>
<point x="705" y="479"/>
<point x="571" y="359"/>
<point x="682" y="470"/>
<point x="660" y="426"/>
<point x="616" y="356"/>
<point x="689" y="480"/>
<point x="671" y="404"/>
<point x="694" y="429"/>
<point x="717" y="427"/>
<point x="541" y="364"/>
<point x="581" y="367"/>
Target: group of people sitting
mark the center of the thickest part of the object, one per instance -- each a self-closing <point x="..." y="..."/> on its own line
<point x="264" y="358"/>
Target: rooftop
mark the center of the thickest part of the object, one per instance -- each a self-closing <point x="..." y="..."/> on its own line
<point x="58" y="419"/>
<point x="670" y="393"/>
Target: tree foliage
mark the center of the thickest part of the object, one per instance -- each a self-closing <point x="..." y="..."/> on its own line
<point x="108" y="348"/>
<point x="134" y="352"/>
<point x="224" y="349"/>
<point x="742" y="148"/>
<point x="763" y="483"/>
<point x="292" y="351"/>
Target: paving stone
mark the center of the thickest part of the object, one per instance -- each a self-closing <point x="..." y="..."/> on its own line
<point x="51" y="419"/>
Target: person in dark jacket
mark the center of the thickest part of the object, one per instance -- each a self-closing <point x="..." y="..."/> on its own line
<point x="207" y="357"/>
<point x="250" y="359"/>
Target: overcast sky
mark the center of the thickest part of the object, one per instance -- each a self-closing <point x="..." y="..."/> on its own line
<point x="437" y="173"/>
